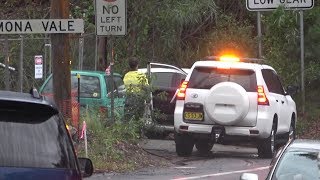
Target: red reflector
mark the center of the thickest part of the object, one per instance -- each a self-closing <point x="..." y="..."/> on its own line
<point x="184" y="127"/>
<point x="103" y="109"/>
<point x="182" y="91"/>
<point x="262" y="98"/>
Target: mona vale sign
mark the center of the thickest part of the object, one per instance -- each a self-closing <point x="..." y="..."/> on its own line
<point x="33" y="26"/>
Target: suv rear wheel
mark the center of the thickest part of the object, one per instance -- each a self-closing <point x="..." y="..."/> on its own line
<point x="204" y="147"/>
<point x="267" y="148"/>
<point x="184" y="144"/>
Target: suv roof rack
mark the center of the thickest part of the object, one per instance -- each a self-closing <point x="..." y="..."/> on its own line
<point x="216" y="58"/>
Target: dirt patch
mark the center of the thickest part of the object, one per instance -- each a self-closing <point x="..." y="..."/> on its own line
<point x="135" y="158"/>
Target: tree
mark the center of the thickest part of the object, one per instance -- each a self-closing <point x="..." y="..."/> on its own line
<point x="61" y="58"/>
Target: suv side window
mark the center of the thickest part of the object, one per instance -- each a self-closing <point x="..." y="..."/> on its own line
<point x="278" y="84"/>
<point x="267" y="76"/>
<point x="273" y="83"/>
<point x="162" y="79"/>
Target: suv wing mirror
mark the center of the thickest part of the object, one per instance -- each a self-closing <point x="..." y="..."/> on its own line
<point x="291" y="90"/>
<point x="86" y="167"/>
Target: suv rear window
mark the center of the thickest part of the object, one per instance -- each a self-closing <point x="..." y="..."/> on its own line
<point x="205" y="78"/>
<point x="34" y="139"/>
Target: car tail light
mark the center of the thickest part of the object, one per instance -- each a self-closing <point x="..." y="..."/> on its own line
<point x="262" y="98"/>
<point x="182" y="91"/>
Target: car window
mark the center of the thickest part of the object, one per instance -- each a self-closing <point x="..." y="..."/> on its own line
<point x="117" y="82"/>
<point x="272" y="81"/>
<point x="176" y="80"/>
<point x="48" y="88"/>
<point x="34" y="139"/>
<point x="205" y="78"/>
<point x="278" y="85"/>
<point x="89" y="86"/>
<point x="298" y="164"/>
<point x="267" y="76"/>
<point x="166" y="79"/>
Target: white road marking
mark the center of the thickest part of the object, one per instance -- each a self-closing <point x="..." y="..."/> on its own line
<point x="223" y="174"/>
<point x="185" y="167"/>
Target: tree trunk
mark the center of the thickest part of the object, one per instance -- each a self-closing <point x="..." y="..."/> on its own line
<point x="102" y="61"/>
<point x="61" y="59"/>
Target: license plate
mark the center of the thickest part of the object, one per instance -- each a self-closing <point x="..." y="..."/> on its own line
<point x="198" y="116"/>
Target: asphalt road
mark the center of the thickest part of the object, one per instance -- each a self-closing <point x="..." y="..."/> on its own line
<point x="224" y="162"/>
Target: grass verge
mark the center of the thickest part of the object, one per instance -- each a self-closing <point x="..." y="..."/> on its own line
<point x="114" y="147"/>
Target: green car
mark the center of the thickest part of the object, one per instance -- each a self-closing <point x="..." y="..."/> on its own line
<point x="95" y="89"/>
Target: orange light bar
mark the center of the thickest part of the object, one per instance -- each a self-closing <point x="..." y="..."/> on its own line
<point x="229" y="58"/>
<point x="182" y="91"/>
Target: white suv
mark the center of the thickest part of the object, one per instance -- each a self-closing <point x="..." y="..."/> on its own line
<point x="226" y="101"/>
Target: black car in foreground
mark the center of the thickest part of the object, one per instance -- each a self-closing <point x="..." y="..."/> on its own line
<point x="298" y="160"/>
<point x="35" y="143"/>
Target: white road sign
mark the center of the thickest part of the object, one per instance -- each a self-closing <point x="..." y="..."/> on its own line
<point x="38" y="67"/>
<point x="111" y="17"/>
<point x="265" y="5"/>
<point x="26" y="26"/>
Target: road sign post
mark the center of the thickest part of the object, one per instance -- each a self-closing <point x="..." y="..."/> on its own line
<point x="111" y="20"/>
<point x="269" y="5"/>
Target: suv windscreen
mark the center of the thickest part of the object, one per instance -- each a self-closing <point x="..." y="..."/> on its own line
<point x="205" y="78"/>
<point x="32" y="138"/>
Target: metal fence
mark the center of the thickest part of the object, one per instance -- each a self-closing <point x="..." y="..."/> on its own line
<point x="17" y="66"/>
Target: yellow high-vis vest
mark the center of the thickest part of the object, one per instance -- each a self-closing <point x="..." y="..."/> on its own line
<point x="134" y="81"/>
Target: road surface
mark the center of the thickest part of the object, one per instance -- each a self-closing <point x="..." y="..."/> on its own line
<point x="224" y="162"/>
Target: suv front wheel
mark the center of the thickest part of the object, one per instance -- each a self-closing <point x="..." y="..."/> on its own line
<point x="184" y="144"/>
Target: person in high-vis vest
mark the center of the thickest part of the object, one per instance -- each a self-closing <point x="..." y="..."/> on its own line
<point x="136" y="84"/>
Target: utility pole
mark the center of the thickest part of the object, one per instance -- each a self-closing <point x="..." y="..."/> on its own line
<point x="61" y="59"/>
